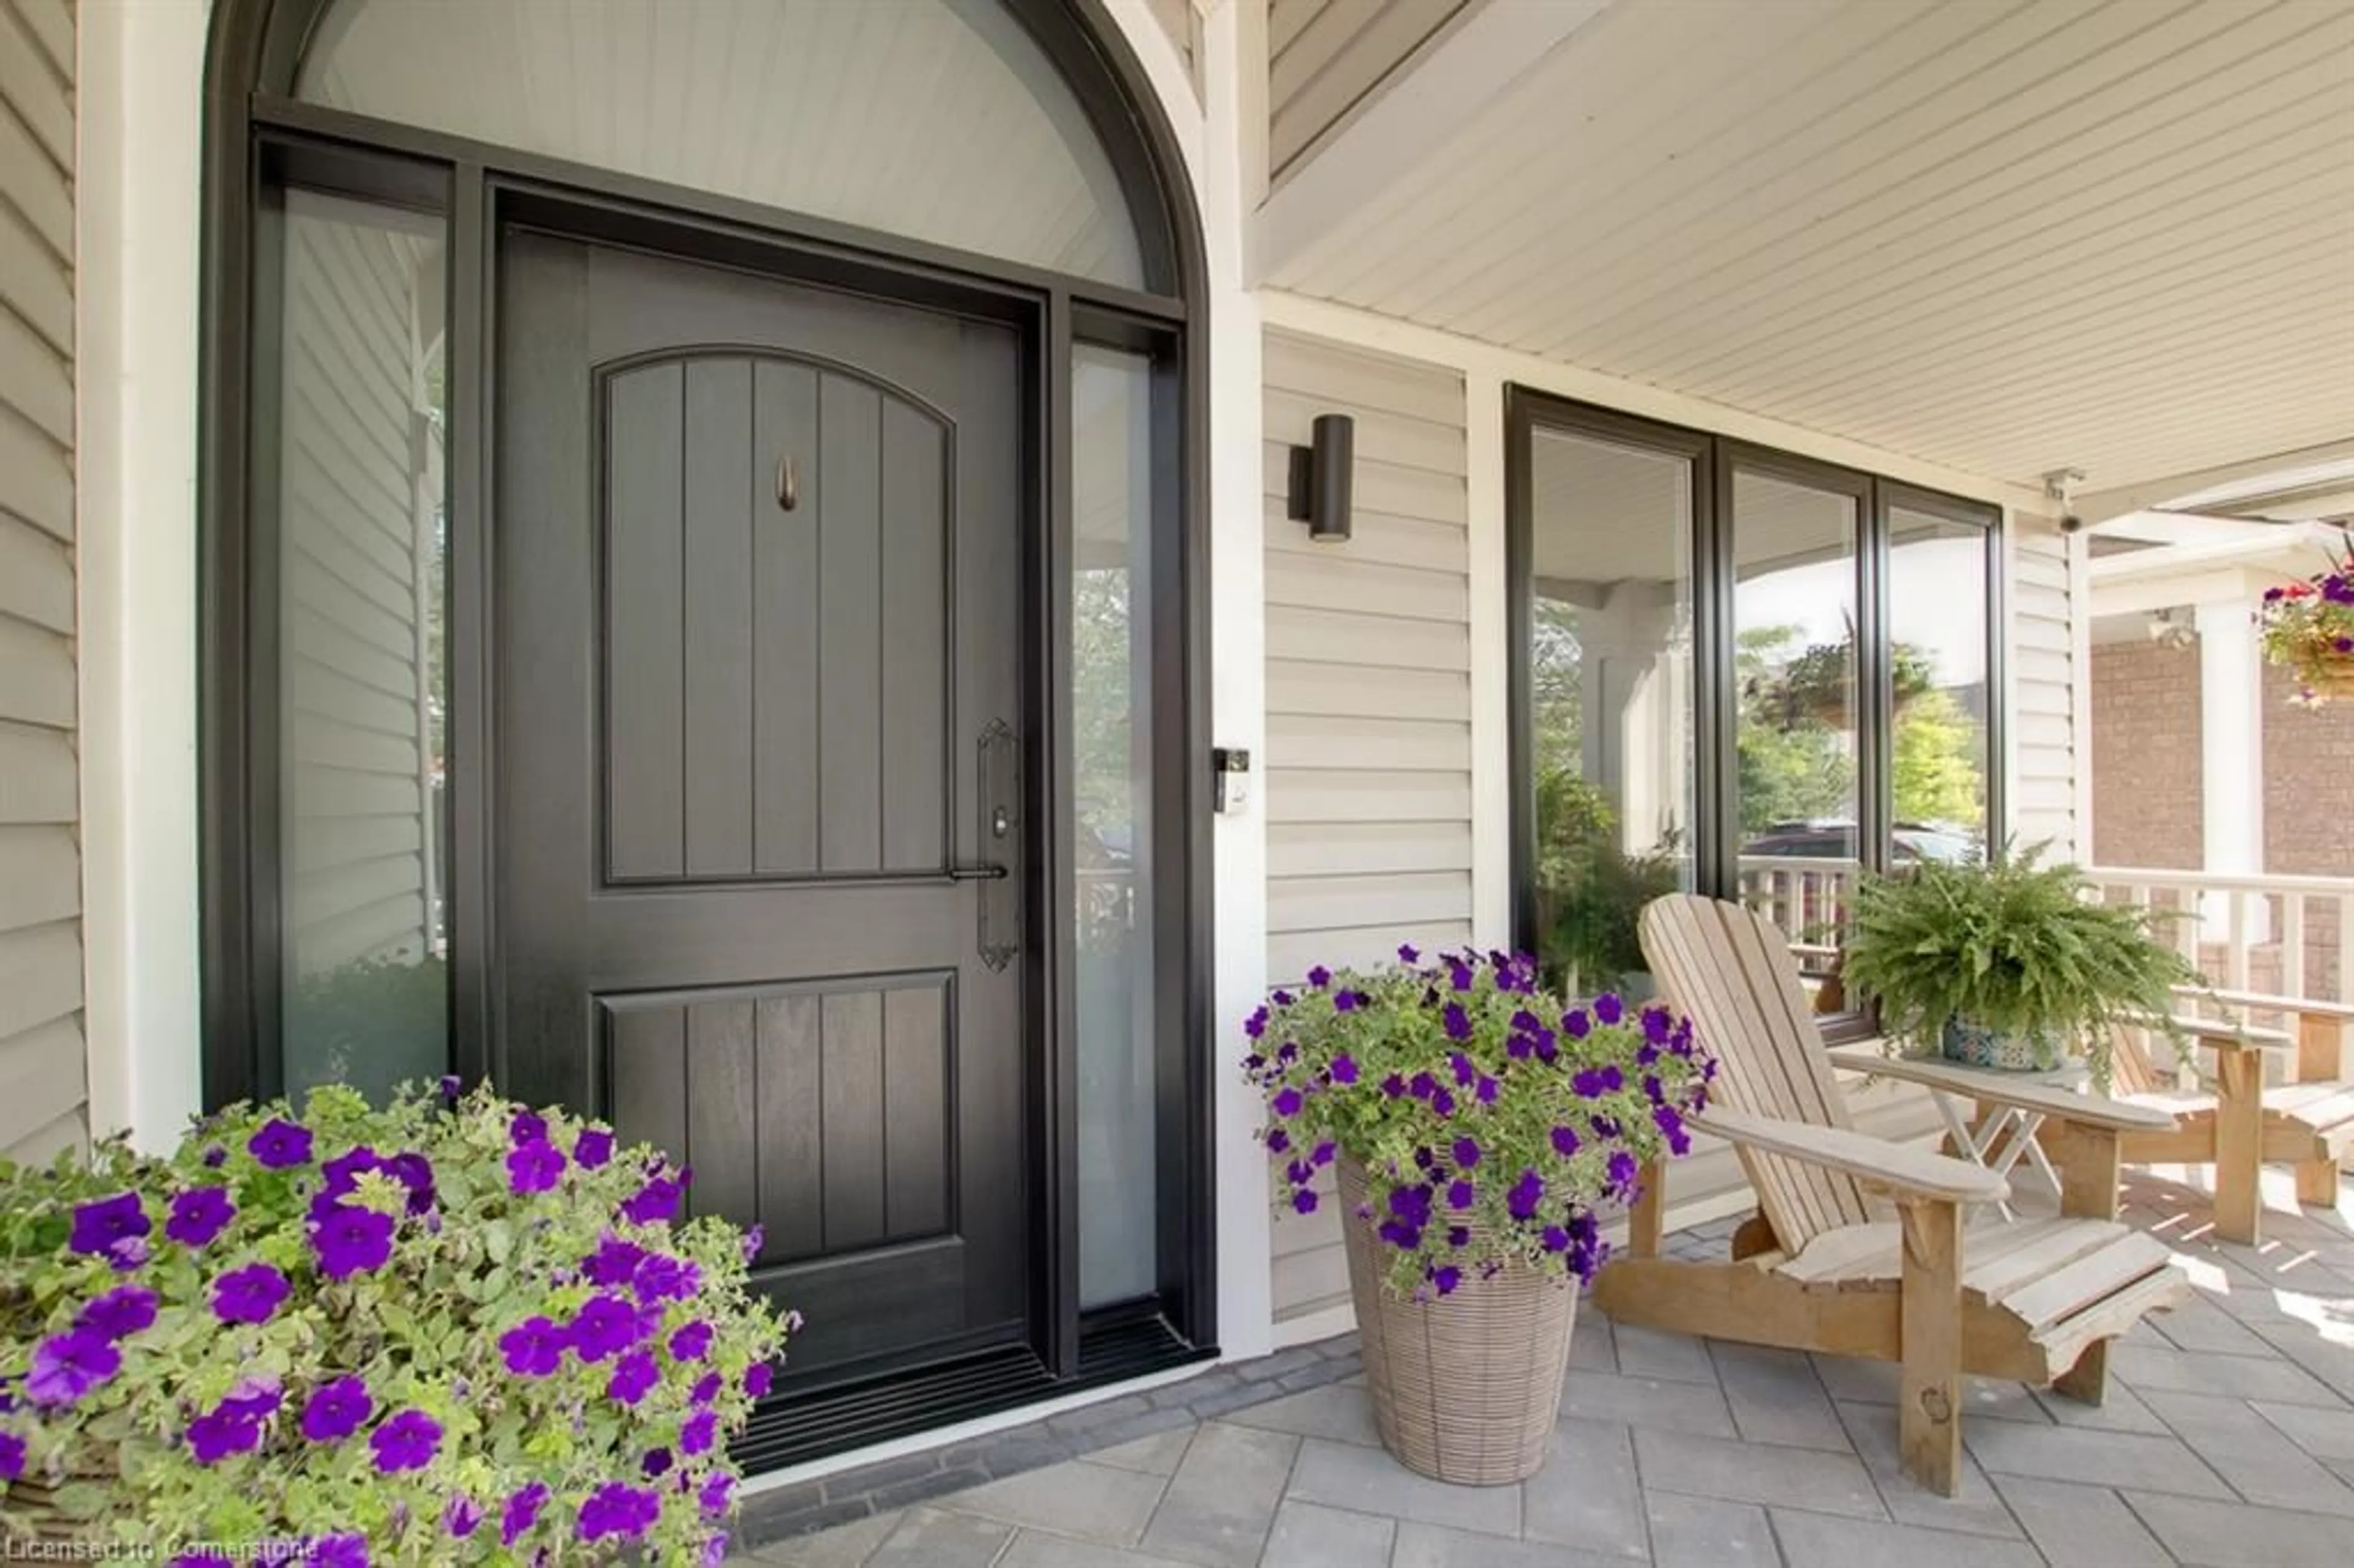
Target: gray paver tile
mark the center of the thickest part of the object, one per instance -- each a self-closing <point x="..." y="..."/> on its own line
<point x="1307" y="1535"/>
<point x="2120" y="1410"/>
<point x="1342" y="1415"/>
<point x="2328" y="1361"/>
<point x="1819" y="1541"/>
<point x="2243" y="1377"/>
<point x="1846" y="1378"/>
<point x="1036" y="1549"/>
<point x="1591" y="1345"/>
<point x="1650" y="1353"/>
<point x="1978" y="1510"/>
<point x="2101" y="1458"/>
<point x="1586" y="1495"/>
<point x="1094" y="1501"/>
<point x="2081" y="1527"/>
<point x="928" y="1538"/>
<point x="2258" y="1459"/>
<point x="1155" y="1455"/>
<point x="2241" y="1535"/>
<point x="1222" y="1498"/>
<point x="2199" y="1326"/>
<point x="1776" y="1398"/>
<point x="1341" y="1474"/>
<point x="2324" y="1434"/>
<point x="844" y="1546"/>
<point x="1688" y="1407"/>
<point x="1758" y="1473"/>
<point x="1435" y="1546"/>
<point x="1702" y="1533"/>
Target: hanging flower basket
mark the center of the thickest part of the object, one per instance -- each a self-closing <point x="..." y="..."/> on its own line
<point x="1478" y="1130"/>
<point x="2308" y="629"/>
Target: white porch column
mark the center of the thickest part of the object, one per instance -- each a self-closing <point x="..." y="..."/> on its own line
<point x="2232" y="759"/>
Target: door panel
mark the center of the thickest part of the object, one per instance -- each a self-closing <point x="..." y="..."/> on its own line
<point x="759" y="597"/>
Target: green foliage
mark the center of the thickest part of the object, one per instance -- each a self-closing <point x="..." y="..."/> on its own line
<point x="1589" y="891"/>
<point x="1940" y="773"/>
<point x="1793" y="765"/>
<point x="2011" y="944"/>
<point x="1491" y="1122"/>
<point x="469" y="1257"/>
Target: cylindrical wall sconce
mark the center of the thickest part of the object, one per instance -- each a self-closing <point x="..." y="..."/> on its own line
<point x="1320" y="478"/>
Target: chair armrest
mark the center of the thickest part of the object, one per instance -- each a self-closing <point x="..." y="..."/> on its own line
<point x="2265" y="1001"/>
<point x="1990" y="1088"/>
<point x="2223" y="1033"/>
<point x="1917" y="1171"/>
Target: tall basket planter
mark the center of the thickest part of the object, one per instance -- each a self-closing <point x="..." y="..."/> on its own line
<point x="1466" y="1386"/>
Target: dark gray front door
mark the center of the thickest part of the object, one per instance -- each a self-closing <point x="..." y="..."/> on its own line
<point x="757" y="588"/>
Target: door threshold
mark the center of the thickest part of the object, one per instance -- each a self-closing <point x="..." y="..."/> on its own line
<point x="795" y="1435"/>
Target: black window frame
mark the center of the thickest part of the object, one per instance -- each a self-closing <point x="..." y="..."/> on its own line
<point x="1715" y="459"/>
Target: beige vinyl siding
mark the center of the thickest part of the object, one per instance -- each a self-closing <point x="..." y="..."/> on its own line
<point x="1326" y="57"/>
<point x="1368" y="791"/>
<point x="44" y="1089"/>
<point x="2042" y="789"/>
<point x="1183" y="23"/>
<point x="358" y="531"/>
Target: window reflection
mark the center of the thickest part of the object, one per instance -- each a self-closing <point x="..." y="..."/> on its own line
<point x="1938" y="627"/>
<point x="1610" y="669"/>
<point x="1795" y="669"/>
<point x="362" y="536"/>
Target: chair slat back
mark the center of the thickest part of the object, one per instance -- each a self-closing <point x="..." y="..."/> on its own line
<point x="2130" y="1068"/>
<point x="1729" y="969"/>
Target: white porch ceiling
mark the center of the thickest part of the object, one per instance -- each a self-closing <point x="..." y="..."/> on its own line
<point x="2003" y="236"/>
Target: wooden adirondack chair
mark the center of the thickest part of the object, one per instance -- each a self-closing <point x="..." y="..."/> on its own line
<point x="1824" y="1267"/>
<point x="2307" y="1123"/>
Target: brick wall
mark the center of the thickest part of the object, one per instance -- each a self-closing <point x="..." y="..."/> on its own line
<point x="2145" y="754"/>
<point x="2309" y="814"/>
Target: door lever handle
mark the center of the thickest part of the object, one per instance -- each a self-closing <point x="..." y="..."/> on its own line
<point x="977" y="874"/>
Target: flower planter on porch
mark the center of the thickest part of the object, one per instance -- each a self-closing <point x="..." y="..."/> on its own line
<point x="1466" y="1386"/>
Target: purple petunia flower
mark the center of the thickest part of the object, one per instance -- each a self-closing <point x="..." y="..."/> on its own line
<point x="338" y="1408"/>
<point x="1322" y="1154"/>
<point x="1320" y="977"/>
<point x="1277" y="1140"/>
<point x="1525" y="1195"/>
<point x="351" y="1241"/>
<point x="451" y="1086"/>
<point x="1345" y="1069"/>
<point x="615" y="1261"/>
<point x="461" y="1515"/>
<point x="700" y="1431"/>
<point x="654" y="1203"/>
<point x="406" y="1442"/>
<point x="619" y="1511"/>
<point x="707" y="1388"/>
<point x="1466" y="1153"/>
<point x="1459" y="1194"/>
<point x="1347" y="1000"/>
<point x="692" y="1342"/>
<point x="1446" y="1277"/>
<point x="1672" y="1127"/>
<point x="280" y="1144"/>
<point x="534" y="1348"/>
<point x="1442" y="1102"/>
<point x="414" y="1171"/>
<point x="714" y="1497"/>
<point x="1256" y="1025"/>
<point x="1304" y="1200"/>
<point x="1555" y="1239"/>
<point x="198" y="1215"/>
<point x="1459" y="1236"/>
<point x="606" y="1326"/>
<point x="218" y="1433"/>
<point x="1565" y="1142"/>
<point x="1608" y="1007"/>
<point x="657" y="1462"/>
<point x="759" y="1379"/>
<point x="521" y="1512"/>
<point x="249" y="1294"/>
<point x="1407" y="953"/>
<point x="662" y="1277"/>
<point x="534" y="1168"/>
<point x="1393" y="1087"/>
<point x="756" y="1239"/>
<point x="346" y="1551"/>
<point x="99" y="1226"/>
<point x="343" y="1172"/>
<point x="118" y="1314"/>
<point x="1286" y="1102"/>
<point x="635" y="1376"/>
<point x="214" y="1156"/>
<point x="1458" y="1022"/>
<point x="1576" y="1024"/>
<point x="67" y="1366"/>
<point x="1623" y="1169"/>
<point x="592" y="1149"/>
<point x="527" y="1126"/>
<point x="11" y="1456"/>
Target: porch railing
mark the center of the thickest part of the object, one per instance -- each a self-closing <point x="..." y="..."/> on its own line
<point x="1805" y="897"/>
<point x="2280" y="936"/>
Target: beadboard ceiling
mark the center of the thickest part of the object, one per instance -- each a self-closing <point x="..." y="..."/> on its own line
<point x="2003" y="236"/>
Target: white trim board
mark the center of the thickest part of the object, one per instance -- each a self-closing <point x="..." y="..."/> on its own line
<point x="1387" y="334"/>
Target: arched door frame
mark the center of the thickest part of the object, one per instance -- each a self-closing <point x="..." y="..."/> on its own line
<point x="257" y="138"/>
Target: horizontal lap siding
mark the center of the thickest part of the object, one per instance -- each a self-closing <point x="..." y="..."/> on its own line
<point x="1368" y="767"/>
<point x="43" y="1073"/>
<point x="2043" y="692"/>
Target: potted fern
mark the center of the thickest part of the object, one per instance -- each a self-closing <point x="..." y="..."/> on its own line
<point x="2007" y="964"/>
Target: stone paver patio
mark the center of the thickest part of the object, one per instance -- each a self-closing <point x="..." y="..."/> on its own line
<point x="2227" y="1441"/>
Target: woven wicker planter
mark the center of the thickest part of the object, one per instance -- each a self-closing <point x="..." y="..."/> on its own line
<point x="1466" y="1386"/>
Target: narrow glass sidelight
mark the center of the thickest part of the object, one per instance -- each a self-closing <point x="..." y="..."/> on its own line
<point x="1111" y="592"/>
<point x="361" y="546"/>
